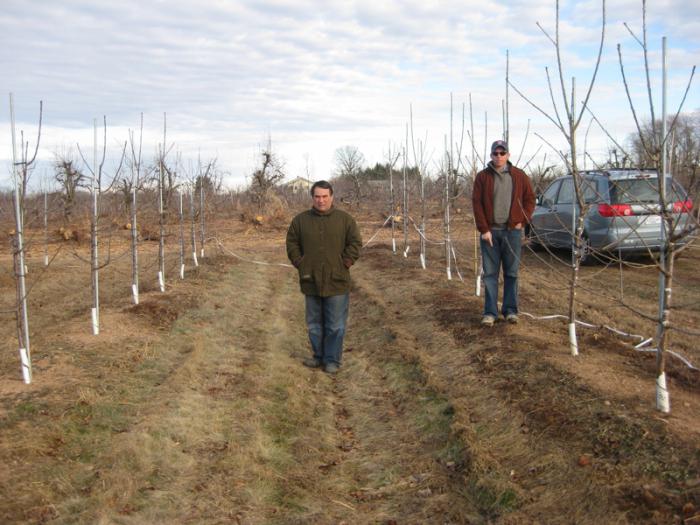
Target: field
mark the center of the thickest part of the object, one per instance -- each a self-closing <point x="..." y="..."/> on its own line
<point x="193" y="406"/>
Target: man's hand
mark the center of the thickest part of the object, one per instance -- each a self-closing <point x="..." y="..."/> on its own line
<point x="487" y="237"/>
<point x="519" y="226"/>
<point x="297" y="262"/>
<point x="347" y="263"/>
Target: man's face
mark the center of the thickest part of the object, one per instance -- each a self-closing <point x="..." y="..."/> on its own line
<point x="323" y="200"/>
<point x="500" y="157"/>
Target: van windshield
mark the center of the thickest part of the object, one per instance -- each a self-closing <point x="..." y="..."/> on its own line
<point x="642" y="190"/>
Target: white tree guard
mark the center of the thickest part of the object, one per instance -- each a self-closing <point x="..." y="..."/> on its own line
<point x="663" y="402"/>
<point x="573" y="342"/>
<point x="26" y="368"/>
<point x="95" y="321"/>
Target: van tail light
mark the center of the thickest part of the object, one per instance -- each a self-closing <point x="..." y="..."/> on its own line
<point x="685" y="206"/>
<point x="614" y="210"/>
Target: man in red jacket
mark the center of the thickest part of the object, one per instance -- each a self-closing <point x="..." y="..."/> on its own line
<point x="503" y="203"/>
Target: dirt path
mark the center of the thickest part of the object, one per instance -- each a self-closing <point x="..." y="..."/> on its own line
<point x="193" y="407"/>
<point x="216" y="420"/>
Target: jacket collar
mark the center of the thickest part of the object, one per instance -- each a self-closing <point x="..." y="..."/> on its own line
<point x="322" y="213"/>
<point x="508" y="167"/>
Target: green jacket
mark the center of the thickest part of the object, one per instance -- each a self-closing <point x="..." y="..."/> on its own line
<point x="323" y="246"/>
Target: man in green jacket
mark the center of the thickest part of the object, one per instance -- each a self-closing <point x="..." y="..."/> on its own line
<point x="323" y="243"/>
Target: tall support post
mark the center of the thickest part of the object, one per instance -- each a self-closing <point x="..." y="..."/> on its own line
<point x="506" y="127"/>
<point x="161" y="222"/>
<point x="182" y="239"/>
<point x="393" y="206"/>
<point x="94" y="256"/>
<point x="46" y="228"/>
<point x="134" y="247"/>
<point x="135" y="182"/>
<point x="22" y="314"/>
<point x="406" y="247"/>
<point x="193" y="235"/>
<point x="446" y="218"/>
<point x="576" y="228"/>
<point x="423" y="244"/>
<point x="662" y="398"/>
<point x="201" y="216"/>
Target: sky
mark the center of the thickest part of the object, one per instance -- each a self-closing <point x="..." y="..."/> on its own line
<point x="313" y="77"/>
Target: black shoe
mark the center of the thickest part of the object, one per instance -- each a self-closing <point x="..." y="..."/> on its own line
<point x="312" y="362"/>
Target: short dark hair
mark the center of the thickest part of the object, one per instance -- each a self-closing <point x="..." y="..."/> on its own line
<point x="323" y="184"/>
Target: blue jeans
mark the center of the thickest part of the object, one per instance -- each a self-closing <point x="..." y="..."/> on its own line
<point x="326" y="318"/>
<point x="505" y="252"/>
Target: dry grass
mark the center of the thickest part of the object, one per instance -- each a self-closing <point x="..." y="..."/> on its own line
<point x="193" y="406"/>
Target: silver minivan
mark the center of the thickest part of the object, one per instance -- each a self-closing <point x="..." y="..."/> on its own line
<point x="622" y="212"/>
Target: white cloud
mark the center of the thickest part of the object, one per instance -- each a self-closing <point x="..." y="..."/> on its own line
<point x="315" y="75"/>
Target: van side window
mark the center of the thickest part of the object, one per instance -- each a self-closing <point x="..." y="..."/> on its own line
<point x="566" y="193"/>
<point x="590" y="191"/>
<point x="550" y="194"/>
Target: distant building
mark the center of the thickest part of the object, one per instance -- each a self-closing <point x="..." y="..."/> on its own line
<point x="382" y="184"/>
<point x="299" y="185"/>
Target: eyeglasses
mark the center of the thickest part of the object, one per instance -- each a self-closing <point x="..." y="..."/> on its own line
<point x="499" y="153"/>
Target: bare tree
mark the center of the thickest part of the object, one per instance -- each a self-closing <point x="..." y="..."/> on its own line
<point x="683" y="147"/>
<point x="266" y="177"/>
<point x="70" y="178"/>
<point x="21" y="170"/>
<point x="97" y="189"/>
<point x="567" y="121"/>
<point x="651" y="144"/>
<point x="130" y="186"/>
<point x="349" y="162"/>
<point x="392" y="157"/>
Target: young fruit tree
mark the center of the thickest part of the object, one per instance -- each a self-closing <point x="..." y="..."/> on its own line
<point x="21" y="170"/>
<point x="676" y="223"/>
<point x="567" y="121"/>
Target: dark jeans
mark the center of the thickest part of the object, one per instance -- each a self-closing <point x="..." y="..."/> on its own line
<point x="505" y="253"/>
<point x="326" y="318"/>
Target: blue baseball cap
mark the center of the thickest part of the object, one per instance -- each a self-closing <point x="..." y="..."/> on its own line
<point x="499" y="144"/>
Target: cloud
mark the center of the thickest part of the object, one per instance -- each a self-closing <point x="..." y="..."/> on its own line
<point x="312" y="74"/>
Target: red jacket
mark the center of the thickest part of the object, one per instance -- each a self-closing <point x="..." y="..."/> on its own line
<point x="522" y="203"/>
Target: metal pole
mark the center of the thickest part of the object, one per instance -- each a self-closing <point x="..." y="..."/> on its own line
<point x="423" y="246"/>
<point x="182" y="240"/>
<point x="161" y="241"/>
<point x="192" y="230"/>
<point x="134" y="246"/>
<point x="446" y="218"/>
<point x="201" y="216"/>
<point x="46" y="228"/>
<point x="393" y="205"/>
<point x="405" y="197"/>
<point x="24" y="350"/>
<point x="506" y="131"/>
<point x="662" y="398"/>
<point x="94" y="258"/>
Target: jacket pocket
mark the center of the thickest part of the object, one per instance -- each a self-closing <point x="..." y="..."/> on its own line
<point x="340" y="274"/>
<point x="305" y="275"/>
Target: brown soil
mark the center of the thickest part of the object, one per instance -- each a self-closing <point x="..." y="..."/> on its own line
<point x="193" y="405"/>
